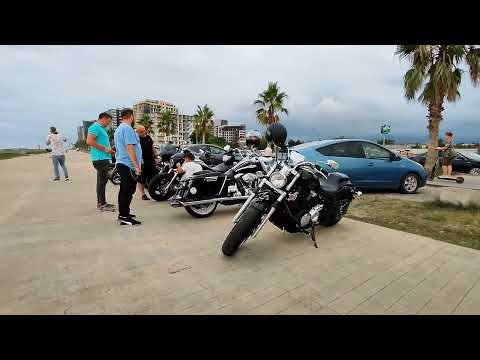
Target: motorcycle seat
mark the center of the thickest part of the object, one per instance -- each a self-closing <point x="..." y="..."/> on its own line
<point x="333" y="182"/>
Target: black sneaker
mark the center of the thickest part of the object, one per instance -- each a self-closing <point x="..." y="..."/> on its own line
<point x="56" y="179"/>
<point x="127" y="220"/>
<point x="132" y="215"/>
<point x="145" y="197"/>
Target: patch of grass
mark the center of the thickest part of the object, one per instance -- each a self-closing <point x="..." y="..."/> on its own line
<point x="452" y="223"/>
<point x="5" y="156"/>
<point x="438" y="204"/>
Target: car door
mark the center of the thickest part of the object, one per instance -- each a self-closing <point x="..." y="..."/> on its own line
<point x="383" y="170"/>
<point x="461" y="164"/>
<point x="349" y="155"/>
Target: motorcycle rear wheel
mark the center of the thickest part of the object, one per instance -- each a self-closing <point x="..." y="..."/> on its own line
<point x="241" y="231"/>
<point x="201" y="211"/>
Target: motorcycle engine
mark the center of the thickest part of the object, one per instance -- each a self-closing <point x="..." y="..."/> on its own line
<point x="249" y="178"/>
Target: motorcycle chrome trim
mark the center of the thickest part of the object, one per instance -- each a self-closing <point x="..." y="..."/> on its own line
<point x="270" y="213"/>
<point x="294" y="180"/>
<point x="244" y="206"/>
<point x="246" y="167"/>
<point x="171" y="181"/>
<point x="210" y="178"/>
<point x="208" y="201"/>
<point x="224" y="181"/>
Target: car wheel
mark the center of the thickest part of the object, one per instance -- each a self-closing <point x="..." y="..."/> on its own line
<point x="409" y="184"/>
<point x="475" y="171"/>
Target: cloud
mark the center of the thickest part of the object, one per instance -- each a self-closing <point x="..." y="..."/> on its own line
<point x="330" y="105"/>
<point x="332" y="90"/>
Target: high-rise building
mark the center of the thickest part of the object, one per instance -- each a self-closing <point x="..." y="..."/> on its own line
<point x="154" y="109"/>
<point x="184" y="129"/>
<point x="86" y="125"/>
<point x="80" y="134"/>
<point x="116" y="117"/>
<point x="232" y="133"/>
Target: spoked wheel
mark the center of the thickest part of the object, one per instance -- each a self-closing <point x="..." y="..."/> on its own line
<point x="475" y="171"/>
<point x="115" y="177"/>
<point x="201" y="211"/>
<point x="157" y="185"/>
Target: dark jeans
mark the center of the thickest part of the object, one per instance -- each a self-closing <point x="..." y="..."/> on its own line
<point x="102" y="167"/>
<point x="128" y="184"/>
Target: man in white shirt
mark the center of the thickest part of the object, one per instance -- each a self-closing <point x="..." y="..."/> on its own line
<point x="56" y="141"/>
<point x="189" y="166"/>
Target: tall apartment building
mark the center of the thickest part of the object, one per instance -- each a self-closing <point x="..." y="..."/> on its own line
<point x="183" y="130"/>
<point x="80" y="134"/>
<point x="116" y="117"/>
<point x="86" y="125"/>
<point x="231" y="133"/>
<point x="154" y="109"/>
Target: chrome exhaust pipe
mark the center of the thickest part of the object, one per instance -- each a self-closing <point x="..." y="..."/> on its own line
<point x="208" y="201"/>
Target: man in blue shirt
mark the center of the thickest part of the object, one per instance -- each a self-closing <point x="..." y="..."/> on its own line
<point x="128" y="163"/>
<point x="100" y="154"/>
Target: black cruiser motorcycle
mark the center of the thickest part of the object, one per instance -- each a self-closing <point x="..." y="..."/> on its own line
<point x="229" y="183"/>
<point x="163" y="185"/>
<point x="295" y="196"/>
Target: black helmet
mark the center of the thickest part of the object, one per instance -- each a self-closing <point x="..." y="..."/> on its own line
<point x="253" y="138"/>
<point x="277" y="134"/>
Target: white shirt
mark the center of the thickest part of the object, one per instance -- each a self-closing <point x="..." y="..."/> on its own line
<point x="190" y="168"/>
<point x="56" y="142"/>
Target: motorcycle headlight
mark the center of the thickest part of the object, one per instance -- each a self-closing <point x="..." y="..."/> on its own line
<point x="278" y="180"/>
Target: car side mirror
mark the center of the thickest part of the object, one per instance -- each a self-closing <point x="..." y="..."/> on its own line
<point x="226" y="148"/>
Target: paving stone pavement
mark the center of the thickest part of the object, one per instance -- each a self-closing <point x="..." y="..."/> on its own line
<point x="58" y="255"/>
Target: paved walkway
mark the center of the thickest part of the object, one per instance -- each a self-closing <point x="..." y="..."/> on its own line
<point x="58" y="255"/>
<point x="471" y="182"/>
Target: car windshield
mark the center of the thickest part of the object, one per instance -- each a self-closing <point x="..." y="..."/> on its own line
<point x="471" y="155"/>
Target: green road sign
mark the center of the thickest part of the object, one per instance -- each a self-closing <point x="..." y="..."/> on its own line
<point x="385" y="129"/>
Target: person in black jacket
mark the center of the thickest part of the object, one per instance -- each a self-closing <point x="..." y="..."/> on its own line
<point x="149" y="155"/>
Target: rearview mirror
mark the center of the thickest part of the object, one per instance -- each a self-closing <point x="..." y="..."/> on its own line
<point x="333" y="164"/>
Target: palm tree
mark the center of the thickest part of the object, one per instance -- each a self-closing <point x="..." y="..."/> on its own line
<point x="147" y="122"/>
<point x="434" y="70"/>
<point x="202" y="121"/>
<point x="167" y="123"/>
<point x="270" y="103"/>
<point x="111" y="134"/>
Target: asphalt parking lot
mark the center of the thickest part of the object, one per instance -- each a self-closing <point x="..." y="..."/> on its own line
<point x="58" y="255"/>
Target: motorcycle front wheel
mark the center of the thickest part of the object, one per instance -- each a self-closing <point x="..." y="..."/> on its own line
<point x="114" y="177"/>
<point x="156" y="187"/>
<point x="201" y="211"/>
<point x="241" y="231"/>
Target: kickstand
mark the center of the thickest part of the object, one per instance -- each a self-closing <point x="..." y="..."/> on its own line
<point x="312" y="234"/>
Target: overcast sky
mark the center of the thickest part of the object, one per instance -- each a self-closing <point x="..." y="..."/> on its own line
<point x="333" y="90"/>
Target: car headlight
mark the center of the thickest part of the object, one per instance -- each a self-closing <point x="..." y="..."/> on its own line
<point x="278" y="180"/>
